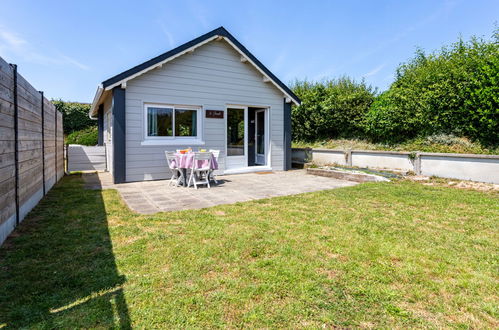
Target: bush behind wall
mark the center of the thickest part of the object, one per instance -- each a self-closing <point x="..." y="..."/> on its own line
<point x="452" y="91"/>
<point x="75" y="115"/>
<point x="331" y="108"/>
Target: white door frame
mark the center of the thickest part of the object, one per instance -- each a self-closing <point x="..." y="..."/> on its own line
<point x="265" y="134"/>
<point x="245" y="167"/>
<point x="243" y="159"/>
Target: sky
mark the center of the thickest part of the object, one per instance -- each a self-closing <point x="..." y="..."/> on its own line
<point x="66" y="48"/>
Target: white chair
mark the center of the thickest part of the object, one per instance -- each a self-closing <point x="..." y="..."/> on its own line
<point x="198" y="173"/>
<point x="215" y="153"/>
<point x="176" y="172"/>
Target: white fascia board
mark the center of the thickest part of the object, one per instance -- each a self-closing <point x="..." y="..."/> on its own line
<point x="188" y="50"/>
<point x="95" y="102"/>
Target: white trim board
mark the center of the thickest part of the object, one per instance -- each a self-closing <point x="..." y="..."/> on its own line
<point x="248" y="169"/>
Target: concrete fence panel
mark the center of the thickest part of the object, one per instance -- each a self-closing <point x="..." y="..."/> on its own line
<point x="383" y="159"/>
<point x="325" y="156"/>
<point x="483" y="168"/>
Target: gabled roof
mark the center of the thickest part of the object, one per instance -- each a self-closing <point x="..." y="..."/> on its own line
<point x="221" y="32"/>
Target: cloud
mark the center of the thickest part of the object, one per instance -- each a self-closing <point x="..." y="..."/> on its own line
<point x="167" y="33"/>
<point x="200" y="13"/>
<point x="279" y="61"/>
<point x="75" y="62"/>
<point x="11" y="39"/>
<point x="374" y="71"/>
<point x="12" y="44"/>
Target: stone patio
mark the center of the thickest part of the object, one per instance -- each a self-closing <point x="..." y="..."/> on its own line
<point x="149" y="197"/>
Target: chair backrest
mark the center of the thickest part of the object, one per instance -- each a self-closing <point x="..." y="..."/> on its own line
<point x="170" y="158"/>
<point x="200" y="156"/>
<point x="215" y="153"/>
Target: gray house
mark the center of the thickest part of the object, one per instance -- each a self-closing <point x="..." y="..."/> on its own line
<point x="208" y="93"/>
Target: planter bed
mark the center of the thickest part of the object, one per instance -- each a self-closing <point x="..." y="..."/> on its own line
<point x="356" y="175"/>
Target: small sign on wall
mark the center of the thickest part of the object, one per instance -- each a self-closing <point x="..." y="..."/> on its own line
<point x="218" y="114"/>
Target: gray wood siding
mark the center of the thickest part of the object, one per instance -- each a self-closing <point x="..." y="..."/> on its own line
<point x="211" y="77"/>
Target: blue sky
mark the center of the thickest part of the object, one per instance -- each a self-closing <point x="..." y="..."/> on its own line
<point x="66" y="48"/>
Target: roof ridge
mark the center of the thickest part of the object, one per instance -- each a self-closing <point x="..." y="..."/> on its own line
<point x="219" y="31"/>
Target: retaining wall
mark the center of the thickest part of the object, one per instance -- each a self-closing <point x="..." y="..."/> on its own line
<point x="483" y="168"/>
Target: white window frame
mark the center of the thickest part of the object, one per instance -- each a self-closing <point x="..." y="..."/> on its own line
<point x="174" y="140"/>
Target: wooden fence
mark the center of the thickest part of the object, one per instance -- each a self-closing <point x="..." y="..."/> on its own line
<point x="85" y="158"/>
<point x="31" y="147"/>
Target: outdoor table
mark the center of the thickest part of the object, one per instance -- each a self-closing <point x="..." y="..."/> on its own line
<point x="185" y="161"/>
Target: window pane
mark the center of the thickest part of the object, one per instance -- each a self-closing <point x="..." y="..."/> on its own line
<point x="186" y="122"/>
<point x="235" y="132"/>
<point x="159" y="122"/>
<point x="260" y="133"/>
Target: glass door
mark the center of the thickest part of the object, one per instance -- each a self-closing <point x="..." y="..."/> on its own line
<point x="237" y="136"/>
<point x="260" y="137"/>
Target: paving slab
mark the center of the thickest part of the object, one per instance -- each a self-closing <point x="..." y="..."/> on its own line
<point x="148" y="197"/>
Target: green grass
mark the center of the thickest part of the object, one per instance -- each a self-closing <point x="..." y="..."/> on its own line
<point x="395" y="254"/>
<point x="436" y="143"/>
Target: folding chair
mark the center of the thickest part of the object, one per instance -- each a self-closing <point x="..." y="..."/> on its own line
<point x="215" y="153"/>
<point x="176" y="172"/>
<point x="198" y="173"/>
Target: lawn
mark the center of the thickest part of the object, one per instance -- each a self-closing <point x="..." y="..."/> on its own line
<point x="396" y="254"/>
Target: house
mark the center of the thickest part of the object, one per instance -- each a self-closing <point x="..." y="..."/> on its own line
<point x="209" y="93"/>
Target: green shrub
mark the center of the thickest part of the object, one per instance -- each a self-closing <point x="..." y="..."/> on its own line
<point x="86" y="137"/>
<point x="453" y="91"/>
<point x="433" y="143"/>
<point x="74" y="115"/>
<point x="333" y="108"/>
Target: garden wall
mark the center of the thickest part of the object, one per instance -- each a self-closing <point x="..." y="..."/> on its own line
<point x="483" y="168"/>
<point x="31" y="147"/>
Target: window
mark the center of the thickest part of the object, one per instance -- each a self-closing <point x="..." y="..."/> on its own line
<point x="169" y="122"/>
<point x="185" y="122"/>
<point x="159" y="121"/>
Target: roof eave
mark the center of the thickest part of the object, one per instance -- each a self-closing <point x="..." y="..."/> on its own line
<point x="96" y="102"/>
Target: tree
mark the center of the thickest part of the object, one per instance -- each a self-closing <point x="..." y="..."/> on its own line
<point x="75" y="115"/>
<point x="452" y="91"/>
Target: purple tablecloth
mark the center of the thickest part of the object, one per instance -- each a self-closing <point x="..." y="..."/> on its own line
<point x="186" y="160"/>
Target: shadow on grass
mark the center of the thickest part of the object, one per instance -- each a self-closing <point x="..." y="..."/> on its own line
<point x="58" y="268"/>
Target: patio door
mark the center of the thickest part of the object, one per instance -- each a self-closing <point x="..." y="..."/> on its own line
<point x="260" y="139"/>
<point x="237" y="137"/>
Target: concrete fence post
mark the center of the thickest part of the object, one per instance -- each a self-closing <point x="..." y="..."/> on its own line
<point x="417" y="163"/>
<point x="348" y="157"/>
